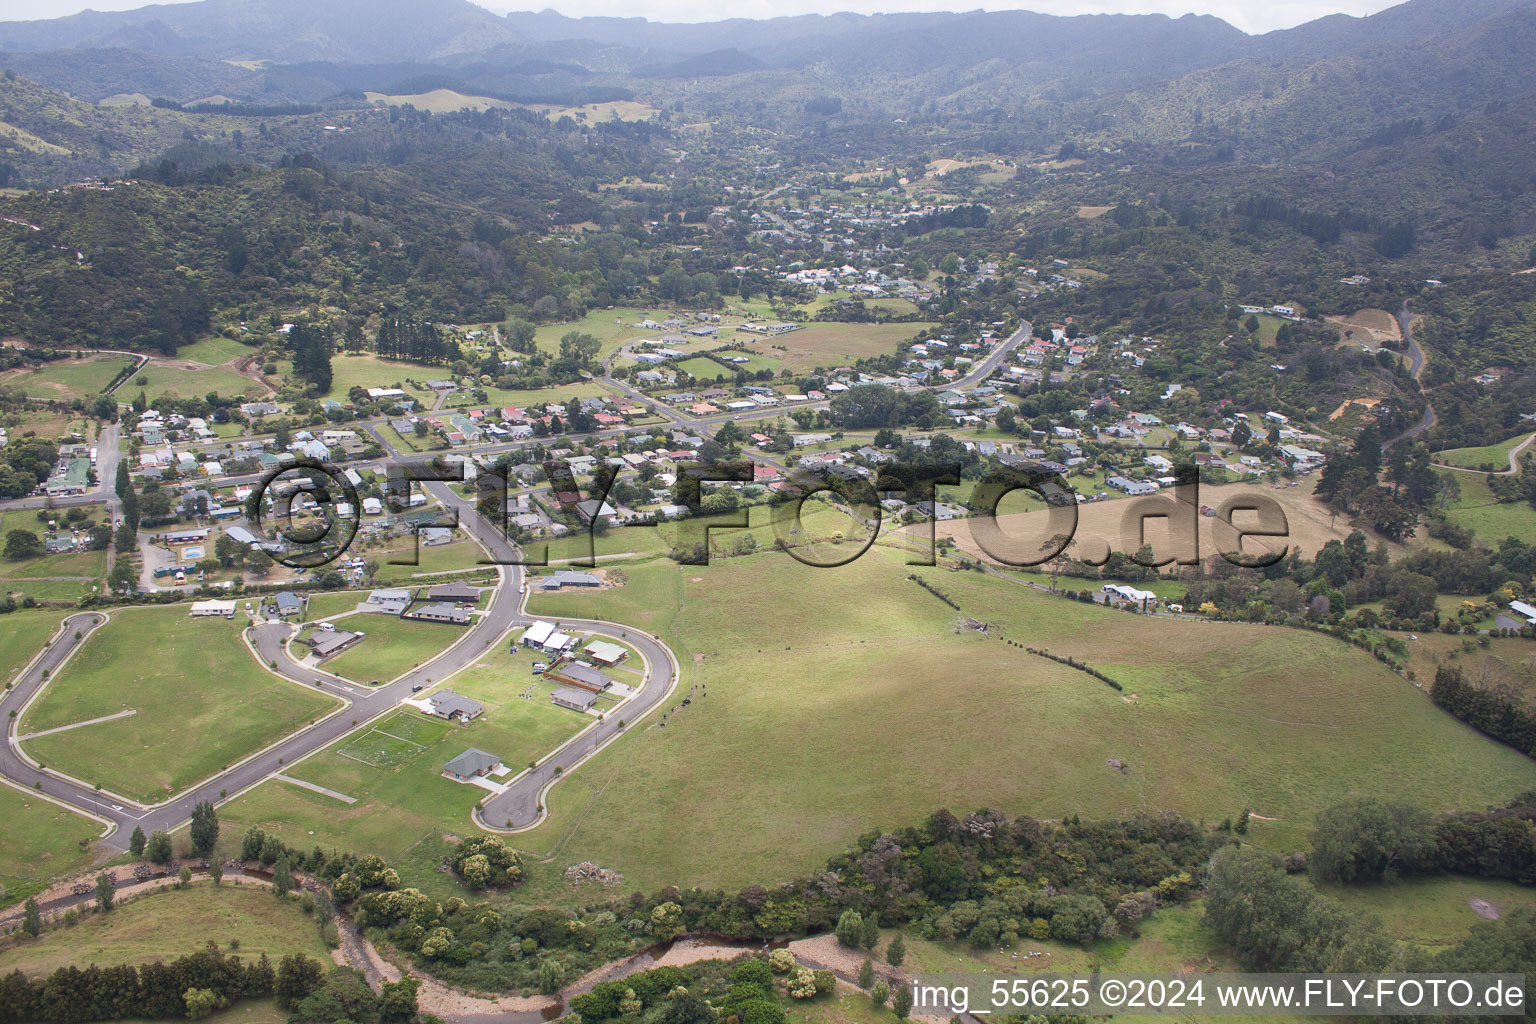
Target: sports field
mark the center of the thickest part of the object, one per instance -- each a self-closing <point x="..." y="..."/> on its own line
<point x="199" y="698"/>
<point x="875" y="704"/>
<point x="67" y="378"/>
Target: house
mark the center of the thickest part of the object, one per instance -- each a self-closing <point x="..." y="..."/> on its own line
<point x="391" y="602"/>
<point x="472" y="764"/>
<point x="569" y="578"/>
<point x="592" y="509"/>
<point x="58" y="545"/>
<point x="327" y="645"/>
<point x="577" y="674"/>
<point x="575" y="699"/>
<point x="455" y="707"/>
<point x="456" y="593"/>
<point x="605" y="653"/>
<point x="537" y="635"/>
<point x="439" y="611"/>
<point x="205" y="609"/>
<point x="288" y="603"/>
<point x="255" y="409"/>
<point x="71" y="479"/>
<point x="1129" y="593"/>
<point x="1135" y="488"/>
<point x="1525" y="611"/>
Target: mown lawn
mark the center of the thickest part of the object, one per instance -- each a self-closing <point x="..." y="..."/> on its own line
<point x="167" y="923"/>
<point x="393" y="646"/>
<point x="177" y="382"/>
<point x="400" y="804"/>
<point x="22" y="635"/>
<point x="68" y="378"/>
<point x="200" y="699"/>
<point x="41" y="841"/>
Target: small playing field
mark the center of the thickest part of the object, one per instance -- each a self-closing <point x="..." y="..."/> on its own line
<point x="67" y="378"/>
<point x="828" y="345"/>
<point x="172" y="922"/>
<point x="393" y="646"/>
<point x="199" y="698"/>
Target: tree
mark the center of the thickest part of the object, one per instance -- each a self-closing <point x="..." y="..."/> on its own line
<point x="297" y="977"/>
<point x="397" y="1000"/>
<point x="202" y="1002"/>
<point x="896" y="952"/>
<point x="282" y="876"/>
<point x="21" y="544"/>
<point x="1006" y="421"/>
<point x="32" y="918"/>
<point x="902" y="1003"/>
<point x="850" y="929"/>
<point x="1367" y="840"/>
<point x="866" y="975"/>
<point x="158" y="850"/>
<point x="205" y="829"/>
<point x="871" y="933"/>
<point x="106" y="888"/>
<point x="216" y="870"/>
<point x="880" y="992"/>
<point x="136" y="841"/>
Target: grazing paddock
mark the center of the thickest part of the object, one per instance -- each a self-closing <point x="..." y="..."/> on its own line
<point x="829" y="344"/>
<point x="873" y="705"/>
<point x="172" y="922"/>
<point x="200" y="699"/>
<point x="1494" y="455"/>
<point x="67" y="378"/>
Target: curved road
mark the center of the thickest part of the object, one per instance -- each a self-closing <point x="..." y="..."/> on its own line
<point x="519" y="804"/>
<point x="1415" y="368"/>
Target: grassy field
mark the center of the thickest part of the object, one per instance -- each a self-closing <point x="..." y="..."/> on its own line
<point x="181" y="381"/>
<point x="1494" y="455"/>
<point x="41" y="841"/>
<point x="393" y="646"/>
<point x="611" y="327"/>
<point x="871" y="706"/>
<point x="1432" y="912"/>
<point x="22" y="635"/>
<point x="523" y="398"/>
<point x="395" y="560"/>
<point x="215" y="349"/>
<point x="67" y="378"/>
<point x="403" y="803"/>
<point x="369" y="371"/>
<point x="168" y="923"/>
<point x="829" y="345"/>
<point x="201" y="702"/>
<point x="1492" y="521"/>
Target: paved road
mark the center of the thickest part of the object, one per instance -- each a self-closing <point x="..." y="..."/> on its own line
<point x="360" y="705"/>
<point x="1415" y="368"/>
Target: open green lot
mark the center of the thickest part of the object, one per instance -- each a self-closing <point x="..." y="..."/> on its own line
<point x="1495" y="455"/>
<point x="23" y="634"/>
<point x="873" y="705"/>
<point x="168" y="923"/>
<point x="349" y="370"/>
<point x="41" y="841"/>
<point x="1478" y="510"/>
<point x="68" y="378"/>
<point x="828" y="344"/>
<point x="180" y="381"/>
<point x="403" y="804"/>
<point x="600" y="323"/>
<point x="393" y="646"/>
<point x="200" y="699"/>
<point x="215" y="349"/>
<point x="498" y="397"/>
<point x="1432" y="912"/>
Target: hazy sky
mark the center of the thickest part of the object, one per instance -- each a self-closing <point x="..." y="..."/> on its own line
<point x="1249" y="15"/>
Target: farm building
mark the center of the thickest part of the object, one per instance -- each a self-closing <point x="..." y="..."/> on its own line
<point x="472" y="764"/>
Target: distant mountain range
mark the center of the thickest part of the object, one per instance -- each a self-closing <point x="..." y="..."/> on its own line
<point x="1158" y="76"/>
